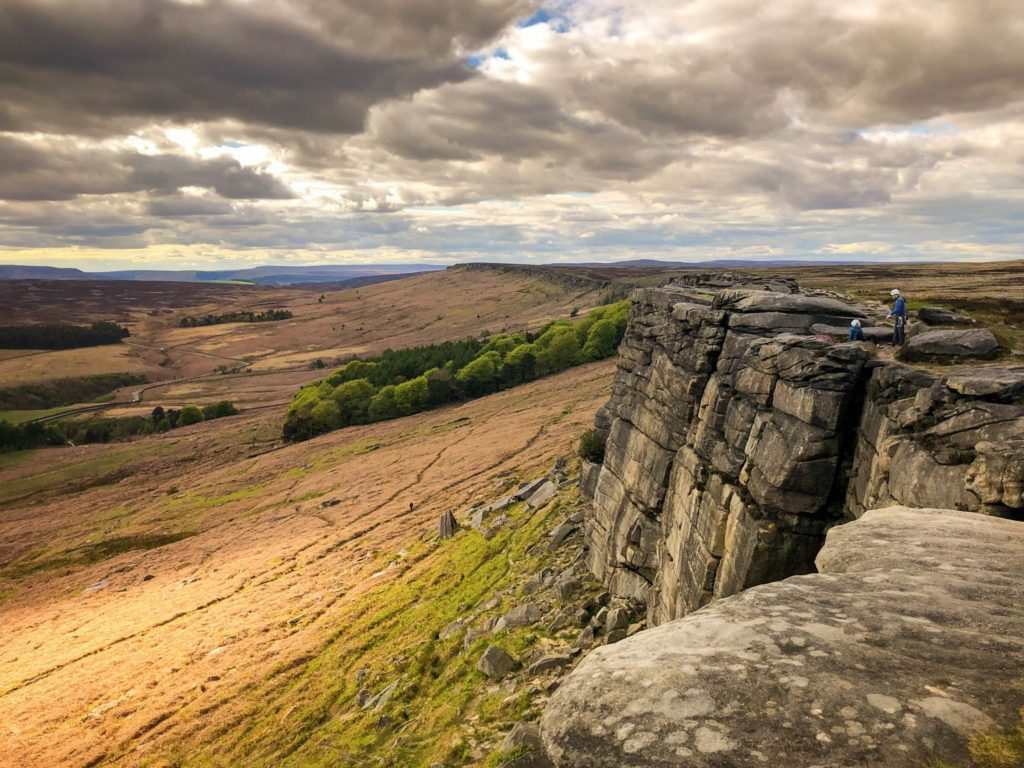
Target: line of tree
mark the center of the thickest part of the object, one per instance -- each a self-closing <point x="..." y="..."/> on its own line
<point x="57" y="392"/>
<point x="18" y="437"/>
<point x="401" y="382"/>
<point x="246" y="316"/>
<point x="61" y="335"/>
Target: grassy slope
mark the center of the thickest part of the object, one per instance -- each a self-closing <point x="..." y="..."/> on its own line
<point x="442" y="709"/>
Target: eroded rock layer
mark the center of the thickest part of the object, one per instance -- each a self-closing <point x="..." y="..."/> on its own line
<point x="737" y="433"/>
<point x="907" y="642"/>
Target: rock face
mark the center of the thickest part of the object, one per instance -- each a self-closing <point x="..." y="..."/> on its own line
<point x="909" y="640"/>
<point x="954" y="442"/>
<point x="977" y="342"/>
<point x="723" y="445"/>
<point x="736" y="435"/>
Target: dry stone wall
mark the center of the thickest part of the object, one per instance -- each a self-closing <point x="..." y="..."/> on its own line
<point x="737" y="435"/>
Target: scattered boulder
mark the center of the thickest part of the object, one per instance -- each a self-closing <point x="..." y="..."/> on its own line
<point x="567" y="587"/>
<point x="542" y="495"/>
<point x="977" y="342"/>
<point x="448" y="526"/>
<point x="523" y="741"/>
<point x="587" y="637"/>
<point x="526" y="490"/>
<point x="549" y="662"/>
<point x="538" y="582"/>
<point x="908" y="642"/>
<point x="495" y="663"/>
<point x="561" y="533"/>
<point x="521" y="616"/>
<point x="616" y="635"/>
<point x="940" y="316"/>
<point x="380" y="699"/>
<point x="617" y="618"/>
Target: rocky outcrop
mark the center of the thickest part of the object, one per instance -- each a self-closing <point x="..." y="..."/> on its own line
<point x="907" y="642"/>
<point x="953" y="442"/>
<point x="736" y="435"/>
<point x="723" y="444"/>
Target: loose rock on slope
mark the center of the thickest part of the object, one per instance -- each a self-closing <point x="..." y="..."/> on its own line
<point x="909" y="640"/>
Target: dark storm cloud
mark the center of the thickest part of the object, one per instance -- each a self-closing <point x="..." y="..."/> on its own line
<point x="181" y="206"/>
<point x="53" y="171"/>
<point x="102" y="66"/>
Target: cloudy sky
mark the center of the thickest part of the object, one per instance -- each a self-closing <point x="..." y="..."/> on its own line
<point x="230" y="133"/>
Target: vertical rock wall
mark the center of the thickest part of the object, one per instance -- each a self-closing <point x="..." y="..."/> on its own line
<point x="733" y="432"/>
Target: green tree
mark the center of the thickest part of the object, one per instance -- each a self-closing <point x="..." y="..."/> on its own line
<point x="412" y="396"/>
<point x="353" y="399"/>
<point x="520" y="365"/>
<point x="481" y="375"/>
<point x="440" y="386"/>
<point x="561" y="351"/>
<point x="190" y="414"/>
<point x="325" y="416"/>
<point x="383" y="405"/>
<point x="601" y="341"/>
<point x="219" y="410"/>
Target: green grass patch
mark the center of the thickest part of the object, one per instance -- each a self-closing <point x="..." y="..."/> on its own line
<point x="20" y="417"/>
<point x="105" y="468"/>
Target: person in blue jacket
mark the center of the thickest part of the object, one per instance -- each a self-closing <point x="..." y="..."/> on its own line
<point x="899" y="314"/>
<point x="856" y="332"/>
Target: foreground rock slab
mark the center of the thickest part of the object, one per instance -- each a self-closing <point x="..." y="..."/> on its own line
<point x="909" y="640"/>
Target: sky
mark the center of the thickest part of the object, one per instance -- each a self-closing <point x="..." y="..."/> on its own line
<point x="185" y="134"/>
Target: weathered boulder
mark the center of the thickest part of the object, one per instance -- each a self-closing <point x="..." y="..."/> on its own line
<point x="977" y="342"/>
<point x="524" y="747"/>
<point x="521" y="616"/>
<point x="448" y="526"/>
<point x="548" y="663"/>
<point x="910" y="640"/>
<point x="540" y="496"/>
<point x="742" y="300"/>
<point x="1000" y="384"/>
<point x="495" y="662"/>
<point x="940" y="316"/>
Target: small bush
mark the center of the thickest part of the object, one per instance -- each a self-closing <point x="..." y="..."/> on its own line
<point x="190" y="414"/>
<point x="591" y="447"/>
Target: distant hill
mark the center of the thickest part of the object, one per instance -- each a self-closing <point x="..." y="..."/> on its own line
<point x="15" y="272"/>
<point x="265" y="275"/>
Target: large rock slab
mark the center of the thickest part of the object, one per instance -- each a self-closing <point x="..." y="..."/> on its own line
<point x="741" y="300"/>
<point x="977" y="342"/>
<point x="940" y="316"/>
<point x="910" y="640"/>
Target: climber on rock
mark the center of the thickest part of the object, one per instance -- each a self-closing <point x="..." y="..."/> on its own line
<point x="856" y="332"/>
<point x="899" y="314"/>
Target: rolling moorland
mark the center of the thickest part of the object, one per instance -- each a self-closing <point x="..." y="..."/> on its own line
<point x="214" y="596"/>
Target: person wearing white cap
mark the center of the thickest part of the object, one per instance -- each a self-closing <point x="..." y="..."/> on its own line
<point x="899" y="314"/>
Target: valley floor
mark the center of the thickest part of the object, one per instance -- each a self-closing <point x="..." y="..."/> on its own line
<point x="149" y="590"/>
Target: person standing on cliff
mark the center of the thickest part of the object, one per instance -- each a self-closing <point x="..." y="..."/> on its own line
<point x="899" y="314"/>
